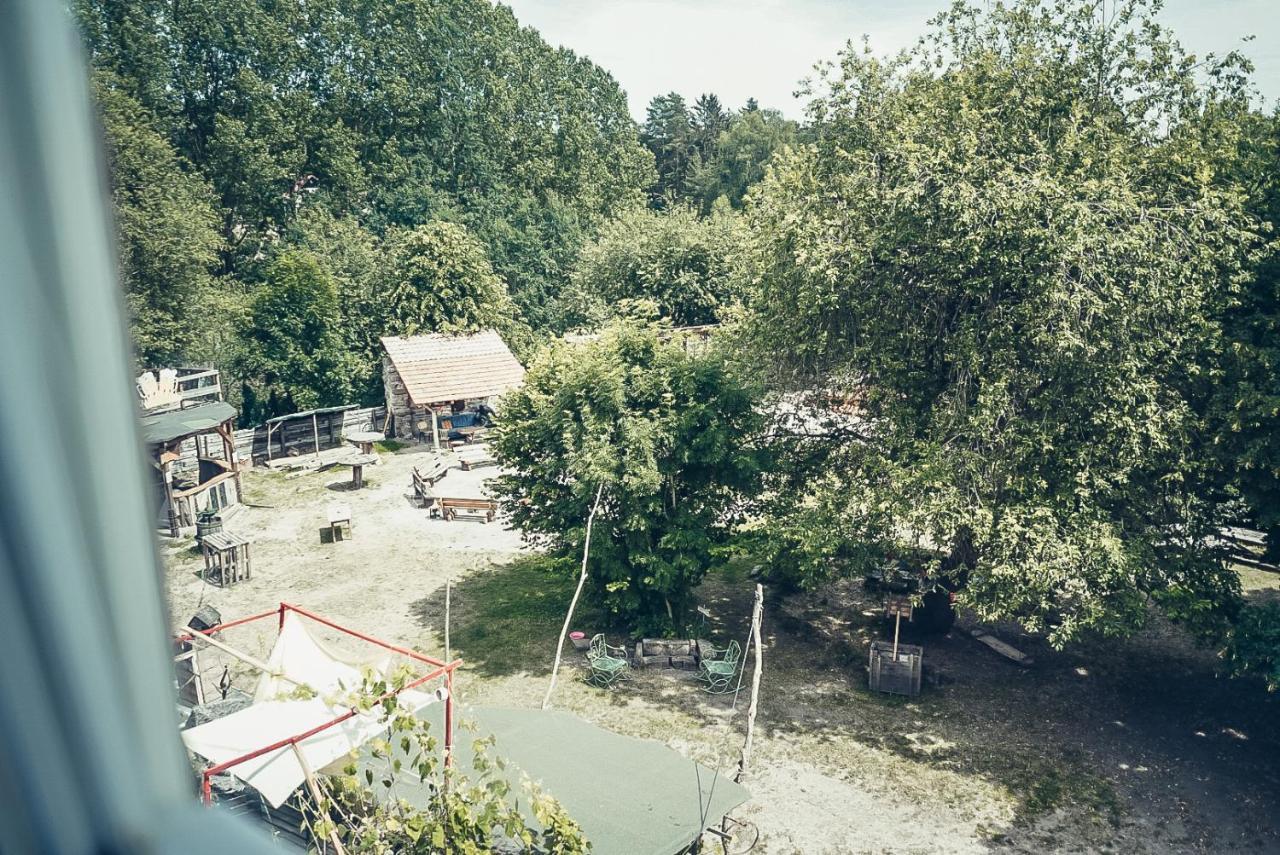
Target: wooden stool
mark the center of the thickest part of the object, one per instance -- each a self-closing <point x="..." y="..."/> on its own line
<point x="226" y="556"/>
<point x="338" y="514"/>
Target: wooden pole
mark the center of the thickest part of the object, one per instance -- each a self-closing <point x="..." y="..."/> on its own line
<point x="315" y="794"/>
<point x="897" y="625"/>
<point x="167" y="478"/>
<point x="243" y="657"/>
<point x="435" y="429"/>
<point x="757" y="614"/>
<point x="315" y="431"/>
<point x="564" y="630"/>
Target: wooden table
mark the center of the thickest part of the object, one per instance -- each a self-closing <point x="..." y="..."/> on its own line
<point x="226" y="556"/>
<point x="357" y="464"/>
<point x="364" y="439"/>
<point x="470" y="434"/>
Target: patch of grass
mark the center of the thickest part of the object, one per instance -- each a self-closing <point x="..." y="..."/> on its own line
<point x="735" y="570"/>
<point x="390" y="446"/>
<point x="506" y="621"/>
<point x="1056" y="788"/>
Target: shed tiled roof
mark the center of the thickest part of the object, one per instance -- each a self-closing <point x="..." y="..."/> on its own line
<point x="176" y="424"/>
<point x="438" y="368"/>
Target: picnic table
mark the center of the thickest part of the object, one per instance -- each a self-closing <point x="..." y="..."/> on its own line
<point x="474" y="456"/>
<point x="364" y="439"/>
<point x="357" y="464"/>
<point x="469" y="434"/>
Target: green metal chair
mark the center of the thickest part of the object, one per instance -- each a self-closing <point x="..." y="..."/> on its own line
<point x="717" y="667"/>
<point x="608" y="663"/>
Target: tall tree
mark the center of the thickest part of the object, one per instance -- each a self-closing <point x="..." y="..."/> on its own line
<point x="398" y="113"/>
<point x="441" y="281"/>
<point x="1246" y="406"/>
<point x="167" y="229"/>
<point x="297" y="359"/>
<point x="667" y="433"/>
<point x="1006" y="253"/>
<point x="741" y="155"/>
<point x="709" y="120"/>
<point x="682" y="263"/>
<point x="669" y="134"/>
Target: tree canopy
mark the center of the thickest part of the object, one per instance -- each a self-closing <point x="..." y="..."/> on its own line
<point x="1005" y="249"/>
<point x="391" y="116"/>
<point x="665" y="432"/>
<point x="704" y="153"/>
<point x="297" y="357"/>
<point x="683" y="264"/>
<point x="166" y="224"/>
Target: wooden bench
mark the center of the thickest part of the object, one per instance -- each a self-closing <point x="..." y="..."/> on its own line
<point x="423" y="480"/>
<point x="476" y="461"/>
<point x="449" y="507"/>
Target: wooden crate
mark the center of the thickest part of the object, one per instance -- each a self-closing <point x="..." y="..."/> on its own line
<point x="898" y="675"/>
<point x="672" y="653"/>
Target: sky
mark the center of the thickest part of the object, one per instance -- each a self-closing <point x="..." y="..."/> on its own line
<point x="740" y="49"/>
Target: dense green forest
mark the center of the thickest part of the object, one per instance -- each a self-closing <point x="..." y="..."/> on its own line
<point x="1037" y="250"/>
<point x="354" y="169"/>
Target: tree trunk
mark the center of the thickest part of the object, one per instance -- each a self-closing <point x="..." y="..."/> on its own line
<point x="582" y="578"/>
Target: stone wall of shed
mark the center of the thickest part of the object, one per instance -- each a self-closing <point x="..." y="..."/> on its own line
<point x="397" y="396"/>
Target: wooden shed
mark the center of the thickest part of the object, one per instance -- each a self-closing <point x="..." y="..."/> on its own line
<point x="428" y="378"/>
<point x="213" y="482"/>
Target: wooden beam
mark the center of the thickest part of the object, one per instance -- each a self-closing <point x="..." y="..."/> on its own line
<point x="757" y="616"/>
<point x="315" y="793"/>
<point x="243" y="657"/>
<point x="1008" y="651"/>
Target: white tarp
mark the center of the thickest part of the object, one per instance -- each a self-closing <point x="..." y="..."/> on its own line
<point x="274" y="716"/>
<point x="304" y="659"/>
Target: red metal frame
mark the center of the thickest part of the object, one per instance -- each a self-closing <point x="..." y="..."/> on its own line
<point x="441" y="669"/>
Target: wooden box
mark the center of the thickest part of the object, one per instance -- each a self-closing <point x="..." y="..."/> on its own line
<point x="898" y="675"/>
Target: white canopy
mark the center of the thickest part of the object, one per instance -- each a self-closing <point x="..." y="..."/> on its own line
<point x="276" y="715"/>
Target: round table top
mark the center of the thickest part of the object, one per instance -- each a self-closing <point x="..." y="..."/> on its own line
<point x="365" y="436"/>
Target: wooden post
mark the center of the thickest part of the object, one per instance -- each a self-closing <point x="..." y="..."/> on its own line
<point x="229" y="453"/>
<point x="270" y="428"/>
<point x="448" y="586"/>
<point x="897" y="626"/>
<point x="564" y="630"/>
<point x="315" y="793"/>
<point x="435" y="429"/>
<point x="315" y="431"/>
<point x="757" y="615"/>
<point x="168" y="497"/>
<point x="243" y="657"/>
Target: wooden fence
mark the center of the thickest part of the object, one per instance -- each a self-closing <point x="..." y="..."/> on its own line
<point x="295" y="436"/>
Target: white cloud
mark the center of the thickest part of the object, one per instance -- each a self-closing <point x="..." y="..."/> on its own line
<point x="762" y="48"/>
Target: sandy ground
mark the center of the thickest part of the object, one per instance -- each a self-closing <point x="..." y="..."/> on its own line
<point x="1134" y="747"/>
<point x="396" y="553"/>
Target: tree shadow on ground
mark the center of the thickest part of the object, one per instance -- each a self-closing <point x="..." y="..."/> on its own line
<point x="1139" y="733"/>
